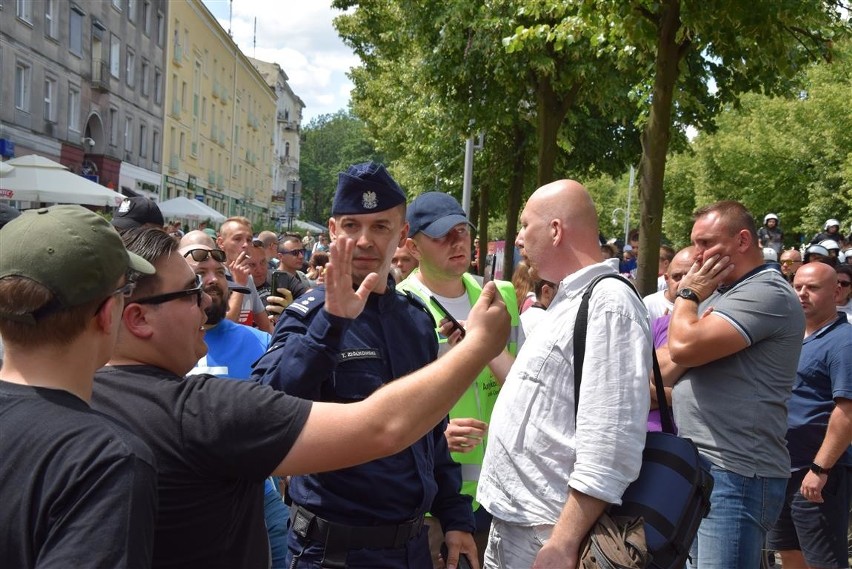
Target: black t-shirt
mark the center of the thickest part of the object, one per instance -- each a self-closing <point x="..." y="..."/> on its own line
<point x="215" y="440"/>
<point x="77" y="489"/>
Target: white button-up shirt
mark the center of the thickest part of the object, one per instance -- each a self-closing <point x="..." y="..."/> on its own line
<point x="535" y="450"/>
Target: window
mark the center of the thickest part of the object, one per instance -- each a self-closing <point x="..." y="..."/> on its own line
<point x="128" y="134"/>
<point x="182" y="145"/>
<point x="131" y="10"/>
<point x="23" y="76"/>
<point x="130" y="70"/>
<point x="143" y="140"/>
<point x="75" y="32"/>
<point x="51" y="19"/>
<point x="158" y="86"/>
<point x="161" y="28"/>
<point x="155" y="146"/>
<point x="116" y="4"/>
<point x="146" y="18"/>
<point x="113" y="127"/>
<point x="49" y="98"/>
<point x="144" y="72"/>
<point x="183" y="88"/>
<point x="286" y="149"/>
<point x="114" y="55"/>
<point x="74" y="108"/>
<point x="204" y="110"/>
<point x="24" y="10"/>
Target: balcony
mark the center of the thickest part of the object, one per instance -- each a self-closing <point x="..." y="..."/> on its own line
<point x="100" y="75"/>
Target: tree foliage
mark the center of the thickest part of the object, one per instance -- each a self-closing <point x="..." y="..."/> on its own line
<point x="330" y="144"/>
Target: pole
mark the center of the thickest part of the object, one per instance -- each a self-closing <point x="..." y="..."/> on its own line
<point x="629" y="195"/>
<point x="468" y="175"/>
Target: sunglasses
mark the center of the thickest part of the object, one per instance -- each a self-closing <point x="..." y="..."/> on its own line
<point x="294" y="252"/>
<point x="201" y="255"/>
<point x="169" y="296"/>
<point x="788" y="262"/>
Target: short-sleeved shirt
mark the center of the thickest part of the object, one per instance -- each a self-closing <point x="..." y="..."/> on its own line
<point x="77" y="488"/>
<point x="824" y="374"/>
<point x="231" y="350"/>
<point x="735" y="408"/>
<point x="215" y="441"/>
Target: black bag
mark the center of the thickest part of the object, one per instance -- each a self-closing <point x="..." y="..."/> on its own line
<point x="672" y="492"/>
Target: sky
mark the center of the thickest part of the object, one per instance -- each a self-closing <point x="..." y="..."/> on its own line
<point x="299" y="36"/>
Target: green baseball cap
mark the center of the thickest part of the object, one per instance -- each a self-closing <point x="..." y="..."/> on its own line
<point x="72" y="251"/>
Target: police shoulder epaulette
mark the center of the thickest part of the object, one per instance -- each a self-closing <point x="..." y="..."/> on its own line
<point x="307" y="303"/>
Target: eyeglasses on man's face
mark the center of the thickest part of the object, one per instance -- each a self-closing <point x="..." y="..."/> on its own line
<point x="201" y="255"/>
<point x="788" y="262"/>
<point x="294" y="252"/>
<point x="197" y="290"/>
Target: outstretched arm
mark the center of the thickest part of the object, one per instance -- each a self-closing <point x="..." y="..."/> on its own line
<point x="338" y="435"/>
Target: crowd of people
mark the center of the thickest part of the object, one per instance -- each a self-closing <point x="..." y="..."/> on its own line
<point x="220" y="398"/>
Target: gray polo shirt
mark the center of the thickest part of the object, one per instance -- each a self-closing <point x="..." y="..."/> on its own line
<point x="735" y="408"/>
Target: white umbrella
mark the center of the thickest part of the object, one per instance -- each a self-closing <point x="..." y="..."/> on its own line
<point x="185" y="208"/>
<point x="36" y="179"/>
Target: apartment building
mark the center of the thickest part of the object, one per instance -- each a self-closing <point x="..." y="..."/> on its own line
<point x="84" y="85"/>
<point x="220" y="118"/>
<point x="286" y="203"/>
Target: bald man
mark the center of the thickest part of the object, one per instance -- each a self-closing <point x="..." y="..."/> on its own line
<point x="811" y="530"/>
<point x="538" y="449"/>
<point x="661" y="302"/>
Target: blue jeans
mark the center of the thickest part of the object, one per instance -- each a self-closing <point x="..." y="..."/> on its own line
<point x="742" y="510"/>
<point x="277" y="516"/>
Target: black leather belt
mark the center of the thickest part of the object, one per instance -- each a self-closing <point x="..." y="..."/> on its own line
<point x="341" y="536"/>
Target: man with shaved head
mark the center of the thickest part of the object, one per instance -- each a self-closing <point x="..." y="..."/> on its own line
<point x="811" y="531"/>
<point x="661" y="302"/>
<point x="548" y="474"/>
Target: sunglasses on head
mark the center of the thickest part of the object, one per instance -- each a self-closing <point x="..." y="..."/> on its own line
<point x="169" y="296"/>
<point x="201" y="255"/>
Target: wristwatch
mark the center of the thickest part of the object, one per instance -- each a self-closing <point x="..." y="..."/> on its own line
<point x="817" y="469"/>
<point x="688" y="294"/>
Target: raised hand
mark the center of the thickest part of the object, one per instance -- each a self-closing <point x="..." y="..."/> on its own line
<point x="340" y="297"/>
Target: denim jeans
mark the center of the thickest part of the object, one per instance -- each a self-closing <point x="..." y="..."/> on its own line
<point x="742" y="510"/>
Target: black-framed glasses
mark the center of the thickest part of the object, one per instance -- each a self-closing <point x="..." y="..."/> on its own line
<point x="201" y="255"/>
<point x="197" y="290"/>
<point x="294" y="252"/>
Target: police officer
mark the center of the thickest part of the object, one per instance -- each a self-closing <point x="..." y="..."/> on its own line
<point x="368" y="516"/>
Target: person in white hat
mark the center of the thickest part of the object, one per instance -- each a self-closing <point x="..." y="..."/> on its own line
<point x="770" y="235"/>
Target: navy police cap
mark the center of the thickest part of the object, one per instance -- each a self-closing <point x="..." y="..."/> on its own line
<point x="365" y="188"/>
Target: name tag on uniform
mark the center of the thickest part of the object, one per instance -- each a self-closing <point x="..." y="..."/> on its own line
<point x="360" y="354"/>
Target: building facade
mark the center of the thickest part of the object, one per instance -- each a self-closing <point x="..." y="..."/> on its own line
<point x="286" y="198"/>
<point x="84" y="87"/>
<point x="219" y="121"/>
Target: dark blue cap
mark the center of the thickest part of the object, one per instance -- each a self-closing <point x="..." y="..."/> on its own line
<point x="434" y="213"/>
<point x="366" y="188"/>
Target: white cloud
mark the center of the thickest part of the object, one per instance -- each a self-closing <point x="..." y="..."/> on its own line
<point x="299" y="36"/>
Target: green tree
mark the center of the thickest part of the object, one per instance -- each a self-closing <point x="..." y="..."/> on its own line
<point x="330" y="144"/>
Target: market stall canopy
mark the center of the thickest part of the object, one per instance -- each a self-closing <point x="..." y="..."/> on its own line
<point x="185" y="208"/>
<point x="34" y="178"/>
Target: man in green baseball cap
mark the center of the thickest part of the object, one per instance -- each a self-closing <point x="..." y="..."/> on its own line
<point x="76" y="486"/>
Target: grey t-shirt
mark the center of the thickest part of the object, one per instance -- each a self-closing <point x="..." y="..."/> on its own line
<point x="735" y="408"/>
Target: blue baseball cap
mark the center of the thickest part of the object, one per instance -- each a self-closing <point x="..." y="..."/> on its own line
<point x="365" y="188"/>
<point x="434" y="213"/>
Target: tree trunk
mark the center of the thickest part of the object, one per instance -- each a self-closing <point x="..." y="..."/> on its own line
<point x="551" y="112"/>
<point x="482" y="224"/>
<point x="655" y="145"/>
<point x="516" y="193"/>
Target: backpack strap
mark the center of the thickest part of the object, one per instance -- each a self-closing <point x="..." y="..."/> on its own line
<point x="580" y="326"/>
